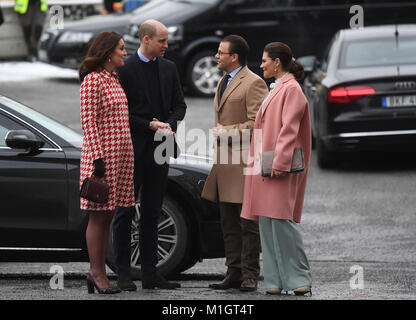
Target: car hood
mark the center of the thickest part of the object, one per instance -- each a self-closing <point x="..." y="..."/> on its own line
<point x="359" y="74"/>
<point x="202" y="164"/>
<point x="169" y="12"/>
<point x="97" y="24"/>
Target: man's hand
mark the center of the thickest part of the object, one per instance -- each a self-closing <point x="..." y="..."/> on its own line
<point x="160" y="127"/>
<point x="219" y="130"/>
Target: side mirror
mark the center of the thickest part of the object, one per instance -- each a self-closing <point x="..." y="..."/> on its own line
<point x="308" y="63"/>
<point x="23" y="139"/>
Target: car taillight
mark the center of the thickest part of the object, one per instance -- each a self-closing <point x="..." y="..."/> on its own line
<point x="349" y="94"/>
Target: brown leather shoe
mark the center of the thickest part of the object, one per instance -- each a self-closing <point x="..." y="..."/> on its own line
<point x="248" y="285"/>
<point x="230" y="281"/>
<point x="126" y="284"/>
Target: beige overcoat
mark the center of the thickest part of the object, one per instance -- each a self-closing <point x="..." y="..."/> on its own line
<point x="236" y="112"/>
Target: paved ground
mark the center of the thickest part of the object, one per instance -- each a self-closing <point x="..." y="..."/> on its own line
<point x="332" y="281"/>
<point x="359" y="216"/>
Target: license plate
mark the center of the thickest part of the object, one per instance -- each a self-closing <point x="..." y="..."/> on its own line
<point x="398" y="101"/>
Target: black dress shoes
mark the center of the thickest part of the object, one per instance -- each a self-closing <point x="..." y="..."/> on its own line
<point x="91" y="285"/>
<point x="155" y="280"/>
<point x="248" y="285"/>
<point x="231" y="281"/>
<point x="301" y="291"/>
<point x="126" y="284"/>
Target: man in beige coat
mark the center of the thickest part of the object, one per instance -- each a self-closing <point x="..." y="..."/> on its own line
<point x="237" y="100"/>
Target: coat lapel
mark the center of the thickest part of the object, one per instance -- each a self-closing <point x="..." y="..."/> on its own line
<point x="276" y="90"/>
<point x="235" y="82"/>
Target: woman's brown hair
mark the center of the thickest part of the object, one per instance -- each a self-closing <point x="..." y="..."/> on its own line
<point x="98" y="53"/>
<point x="284" y="53"/>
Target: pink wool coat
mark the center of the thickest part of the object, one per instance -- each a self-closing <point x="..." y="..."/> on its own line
<point x="105" y="123"/>
<point x="284" y="125"/>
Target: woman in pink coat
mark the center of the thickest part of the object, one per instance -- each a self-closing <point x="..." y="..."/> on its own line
<point x="107" y="149"/>
<point x="281" y="124"/>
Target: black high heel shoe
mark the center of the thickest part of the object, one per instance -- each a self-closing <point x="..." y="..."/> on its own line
<point x="301" y="291"/>
<point x="91" y="285"/>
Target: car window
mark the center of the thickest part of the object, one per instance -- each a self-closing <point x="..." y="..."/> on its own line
<point x="7" y="124"/>
<point x="288" y="3"/>
<point x="59" y="129"/>
<point x="378" y="52"/>
<point x="328" y="53"/>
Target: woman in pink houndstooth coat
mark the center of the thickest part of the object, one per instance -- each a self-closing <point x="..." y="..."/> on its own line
<point x="107" y="150"/>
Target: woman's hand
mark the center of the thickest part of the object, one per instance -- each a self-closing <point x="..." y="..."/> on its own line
<point x="99" y="169"/>
<point x="277" y="173"/>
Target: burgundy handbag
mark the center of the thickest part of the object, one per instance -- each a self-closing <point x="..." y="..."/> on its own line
<point x="94" y="190"/>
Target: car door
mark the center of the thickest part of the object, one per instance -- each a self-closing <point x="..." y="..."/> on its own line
<point x="306" y="26"/>
<point x="314" y="89"/>
<point x="33" y="190"/>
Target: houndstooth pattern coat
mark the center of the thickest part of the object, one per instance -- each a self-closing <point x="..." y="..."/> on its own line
<point x="105" y="123"/>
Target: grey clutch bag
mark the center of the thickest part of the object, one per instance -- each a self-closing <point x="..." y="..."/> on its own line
<point x="266" y="162"/>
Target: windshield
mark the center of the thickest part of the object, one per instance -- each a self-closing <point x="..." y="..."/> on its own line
<point x="61" y="130"/>
<point x="378" y="52"/>
<point x="155" y="3"/>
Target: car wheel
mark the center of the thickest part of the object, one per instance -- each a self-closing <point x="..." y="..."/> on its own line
<point x="175" y="242"/>
<point x="326" y="158"/>
<point x="202" y="74"/>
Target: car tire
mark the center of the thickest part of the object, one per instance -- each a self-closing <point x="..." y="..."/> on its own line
<point x="175" y="242"/>
<point x="326" y="158"/>
<point x="202" y="74"/>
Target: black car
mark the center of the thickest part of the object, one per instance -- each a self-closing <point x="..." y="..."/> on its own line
<point x="40" y="218"/>
<point x="197" y="26"/>
<point x="362" y="94"/>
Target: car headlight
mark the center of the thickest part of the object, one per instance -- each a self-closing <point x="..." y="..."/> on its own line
<point x="44" y="37"/>
<point x="75" y="37"/>
<point x="175" y="33"/>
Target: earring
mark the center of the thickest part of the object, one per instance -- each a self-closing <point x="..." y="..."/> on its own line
<point x="109" y="59"/>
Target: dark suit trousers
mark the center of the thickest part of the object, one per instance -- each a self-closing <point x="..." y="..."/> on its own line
<point x="150" y="180"/>
<point x="241" y="241"/>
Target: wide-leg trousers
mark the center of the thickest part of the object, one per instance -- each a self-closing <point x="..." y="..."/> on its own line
<point x="285" y="265"/>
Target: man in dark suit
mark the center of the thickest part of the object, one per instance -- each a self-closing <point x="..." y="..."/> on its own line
<point x="156" y="104"/>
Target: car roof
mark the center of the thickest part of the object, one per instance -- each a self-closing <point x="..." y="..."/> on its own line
<point x="381" y="31"/>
